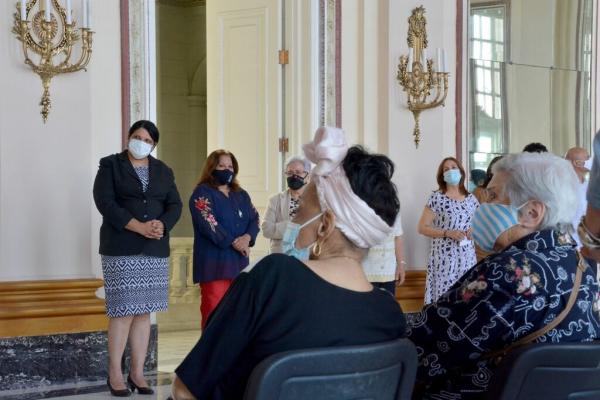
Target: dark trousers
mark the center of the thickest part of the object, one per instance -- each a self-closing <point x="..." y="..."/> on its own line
<point x="389" y="286"/>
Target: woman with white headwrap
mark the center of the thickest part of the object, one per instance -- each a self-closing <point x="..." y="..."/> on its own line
<point x="284" y="303"/>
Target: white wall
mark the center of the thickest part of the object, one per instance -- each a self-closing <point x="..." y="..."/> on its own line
<point x="48" y="223"/>
<point x="374" y="106"/>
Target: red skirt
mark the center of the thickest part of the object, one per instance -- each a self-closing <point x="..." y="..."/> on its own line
<point x="211" y="294"/>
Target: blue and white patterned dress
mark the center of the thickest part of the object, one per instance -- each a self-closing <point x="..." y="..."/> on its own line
<point x="139" y="284"/>
<point x="501" y="300"/>
<point x="449" y="259"/>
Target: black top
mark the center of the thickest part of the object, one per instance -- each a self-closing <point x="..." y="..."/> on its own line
<point x="282" y="305"/>
<point x="119" y="197"/>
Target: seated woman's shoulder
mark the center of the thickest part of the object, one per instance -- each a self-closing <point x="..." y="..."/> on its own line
<point x="272" y="270"/>
<point x="527" y="271"/>
<point x="275" y="263"/>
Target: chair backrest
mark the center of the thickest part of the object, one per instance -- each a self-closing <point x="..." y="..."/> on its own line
<point x="565" y="371"/>
<point x="383" y="371"/>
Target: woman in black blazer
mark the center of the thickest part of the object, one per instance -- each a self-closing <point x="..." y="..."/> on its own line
<point x="139" y="203"/>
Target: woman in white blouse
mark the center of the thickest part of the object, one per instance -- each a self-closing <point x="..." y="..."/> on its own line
<point x="384" y="264"/>
<point x="283" y="206"/>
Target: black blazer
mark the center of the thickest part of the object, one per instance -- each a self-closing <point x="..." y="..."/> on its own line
<point x="119" y="198"/>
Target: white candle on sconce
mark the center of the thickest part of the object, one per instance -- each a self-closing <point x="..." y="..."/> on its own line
<point x="23" y="11"/>
<point x="69" y="16"/>
<point x="424" y="58"/>
<point x="84" y="13"/>
<point x="439" y="66"/>
<point x="411" y="59"/>
<point x="47" y="16"/>
<point x="444" y="65"/>
<point x="89" y="13"/>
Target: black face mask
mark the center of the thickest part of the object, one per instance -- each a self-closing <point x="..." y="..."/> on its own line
<point x="223" y="176"/>
<point x="294" y="182"/>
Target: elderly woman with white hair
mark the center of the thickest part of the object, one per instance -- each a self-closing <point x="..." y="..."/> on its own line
<point x="534" y="287"/>
<point x="283" y="206"/>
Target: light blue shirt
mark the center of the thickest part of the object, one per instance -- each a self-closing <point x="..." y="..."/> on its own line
<point x="593" y="194"/>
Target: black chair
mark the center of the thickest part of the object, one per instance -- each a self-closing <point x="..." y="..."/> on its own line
<point x="384" y="371"/>
<point x="549" y="371"/>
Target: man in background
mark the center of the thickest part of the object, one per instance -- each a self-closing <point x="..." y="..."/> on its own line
<point x="535" y="148"/>
<point x="582" y="164"/>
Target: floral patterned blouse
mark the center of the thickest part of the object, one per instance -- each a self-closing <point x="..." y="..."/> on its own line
<point x="502" y="299"/>
<point x="218" y="220"/>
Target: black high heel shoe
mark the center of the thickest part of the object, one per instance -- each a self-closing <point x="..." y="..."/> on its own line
<point x="118" y="393"/>
<point x="141" y="390"/>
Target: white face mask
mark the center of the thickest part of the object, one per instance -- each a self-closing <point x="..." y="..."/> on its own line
<point x="588" y="164"/>
<point x="139" y="149"/>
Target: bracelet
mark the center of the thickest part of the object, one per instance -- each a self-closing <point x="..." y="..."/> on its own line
<point x="588" y="239"/>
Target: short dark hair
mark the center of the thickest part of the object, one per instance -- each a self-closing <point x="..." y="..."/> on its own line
<point x="478" y="176"/>
<point x="489" y="173"/>
<point x="370" y="177"/>
<point x="148" y="126"/>
<point x="535" y="148"/>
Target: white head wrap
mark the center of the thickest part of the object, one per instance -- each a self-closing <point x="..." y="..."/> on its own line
<point x="353" y="216"/>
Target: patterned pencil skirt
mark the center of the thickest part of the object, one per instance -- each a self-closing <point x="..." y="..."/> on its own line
<point x="135" y="285"/>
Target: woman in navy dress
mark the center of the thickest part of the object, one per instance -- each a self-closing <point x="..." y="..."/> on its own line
<point x="225" y="227"/>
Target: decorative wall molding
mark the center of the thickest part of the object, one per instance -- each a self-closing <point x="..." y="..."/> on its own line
<point x="138" y="64"/>
<point x="330" y="54"/>
<point x="411" y="294"/>
<point x="30" y="308"/>
<point x="125" y="76"/>
<point x="138" y="37"/>
<point x="458" y="101"/>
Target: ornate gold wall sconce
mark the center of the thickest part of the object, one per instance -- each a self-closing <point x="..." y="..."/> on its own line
<point x="417" y="75"/>
<point x="46" y="28"/>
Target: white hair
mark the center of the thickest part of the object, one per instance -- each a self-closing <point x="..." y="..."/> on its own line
<point x="303" y="161"/>
<point x="546" y="178"/>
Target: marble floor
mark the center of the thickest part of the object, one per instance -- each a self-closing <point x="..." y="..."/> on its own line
<point x="160" y="392"/>
<point x="172" y="348"/>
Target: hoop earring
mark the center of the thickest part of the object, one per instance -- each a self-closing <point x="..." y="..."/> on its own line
<point x="317" y="249"/>
<point x="320" y="229"/>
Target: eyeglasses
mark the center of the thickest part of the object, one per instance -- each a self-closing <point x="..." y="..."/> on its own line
<point x="302" y="174"/>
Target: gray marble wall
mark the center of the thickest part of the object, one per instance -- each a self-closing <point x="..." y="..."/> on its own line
<point x="41" y="361"/>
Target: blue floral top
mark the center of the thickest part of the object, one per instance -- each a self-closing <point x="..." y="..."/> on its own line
<point x="218" y="220"/>
<point x="502" y="299"/>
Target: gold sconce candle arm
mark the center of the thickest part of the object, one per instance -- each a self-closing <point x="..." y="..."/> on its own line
<point x="52" y="35"/>
<point x="86" y="53"/>
<point x="419" y="79"/>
